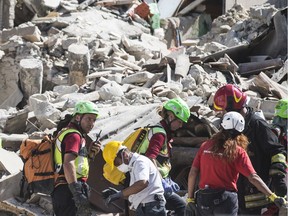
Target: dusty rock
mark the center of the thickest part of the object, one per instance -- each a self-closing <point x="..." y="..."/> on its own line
<point x="109" y="90"/>
<point x="31" y="76"/>
<point x="79" y="63"/>
<point x="99" y="55"/>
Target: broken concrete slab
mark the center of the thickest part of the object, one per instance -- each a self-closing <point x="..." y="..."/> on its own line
<point x="182" y="65"/>
<point x="10" y="97"/>
<point x="262" y="81"/>
<point x="125" y="119"/>
<point x="106" y="22"/>
<point x="16" y="123"/>
<point x="146" y="47"/>
<point x="29" y="33"/>
<point x="137" y="78"/>
<point x="5" y="162"/>
<point x="110" y="90"/>
<point x="12" y="142"/>
<point x="11" y="183"/>
<point x="168" y="8"/>
<point x="268" y="108"/>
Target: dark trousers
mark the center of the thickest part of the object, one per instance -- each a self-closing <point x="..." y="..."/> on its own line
<point x="156" y="208"/>
<point x="227" y="204"/>
<point x="175" y="202"/>
<point x="62" y="200"/>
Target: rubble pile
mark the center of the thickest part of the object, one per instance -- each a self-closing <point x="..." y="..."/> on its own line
<point x="103" y="64"/>
<point x="240" y="25"/>
<point x="117" y="59"/>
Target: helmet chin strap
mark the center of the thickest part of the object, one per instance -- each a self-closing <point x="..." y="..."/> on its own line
<point x="79" y="124"/>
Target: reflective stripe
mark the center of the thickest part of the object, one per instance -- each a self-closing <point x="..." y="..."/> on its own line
<point x="256" y="200"/>
<point x="217" y="107"/>
<point x="278" y="158"/>
<point x="256" y="203"/>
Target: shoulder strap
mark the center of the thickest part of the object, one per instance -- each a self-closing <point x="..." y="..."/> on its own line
<point x="66" y="131"/>
<point x="156" y="129"/>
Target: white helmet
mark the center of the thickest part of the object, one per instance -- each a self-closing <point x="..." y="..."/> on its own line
<point x="233" y="120"/>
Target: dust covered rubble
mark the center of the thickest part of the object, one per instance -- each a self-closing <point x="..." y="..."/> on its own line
<point x="93" y="55"/>
<point x="47" y="65"/>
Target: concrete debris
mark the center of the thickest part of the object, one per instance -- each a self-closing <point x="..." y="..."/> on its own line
<point x="10" y="174"/>
<point x="129" y="57"/>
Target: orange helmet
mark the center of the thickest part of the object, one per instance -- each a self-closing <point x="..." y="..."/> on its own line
<point x="229" y="98"/>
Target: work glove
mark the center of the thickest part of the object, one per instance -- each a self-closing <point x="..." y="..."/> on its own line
<point x="191" y="209"/>
<point x="111" y="194"/>
<point x="85" y="189"/>
<point x="166" y="186"/>
<point x="81" y="201"/>
<point x="169" y="185"/>
<point x="278" y="201"/>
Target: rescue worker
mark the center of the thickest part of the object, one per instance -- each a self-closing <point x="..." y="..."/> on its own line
<point x="70" y="195"/>
<point x="219" y="162"/>
<point x="266" y="153"/>
<point x="145" y="191"/>
<point x="175" y="113"/>
<point x="280" y="122"/>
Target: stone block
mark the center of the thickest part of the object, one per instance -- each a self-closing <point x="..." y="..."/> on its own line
<point x="110" y="90"/>
<point x="68" y="41"/>
<point x="79" y="63"/>
<point x="31" y="76"/>
<point x="29" y="33"/>
<point x="139" y="77"/>
<point x="268" y="108"/>
<point x="10" y="97"/>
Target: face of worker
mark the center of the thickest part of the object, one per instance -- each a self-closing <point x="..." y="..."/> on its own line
<point x="121" y="161"/>
<point x="120" y="158"/>
<point x="175" y="123"/>
<point x="86" y="122"/>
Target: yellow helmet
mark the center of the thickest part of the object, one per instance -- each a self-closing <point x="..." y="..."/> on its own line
<point x="110" y="151"/>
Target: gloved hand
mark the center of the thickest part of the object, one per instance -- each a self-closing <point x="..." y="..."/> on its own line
<point x="166" y="186"/>
<point x="175" y="186"/>
<point x="79" y="198"/>
<point x="191" y="209"/>
<point x="279" y="201"/>
<point x="111" y="194"/>
<point x="85" y="189"/>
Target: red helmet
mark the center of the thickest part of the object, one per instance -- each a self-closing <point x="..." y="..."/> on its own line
<point x="229" y="98"/>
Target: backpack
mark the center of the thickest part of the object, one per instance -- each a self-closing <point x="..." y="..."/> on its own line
<point x="38" y="173"/>
<point x="38" y="169"/>
<point x="137" y="141"/>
